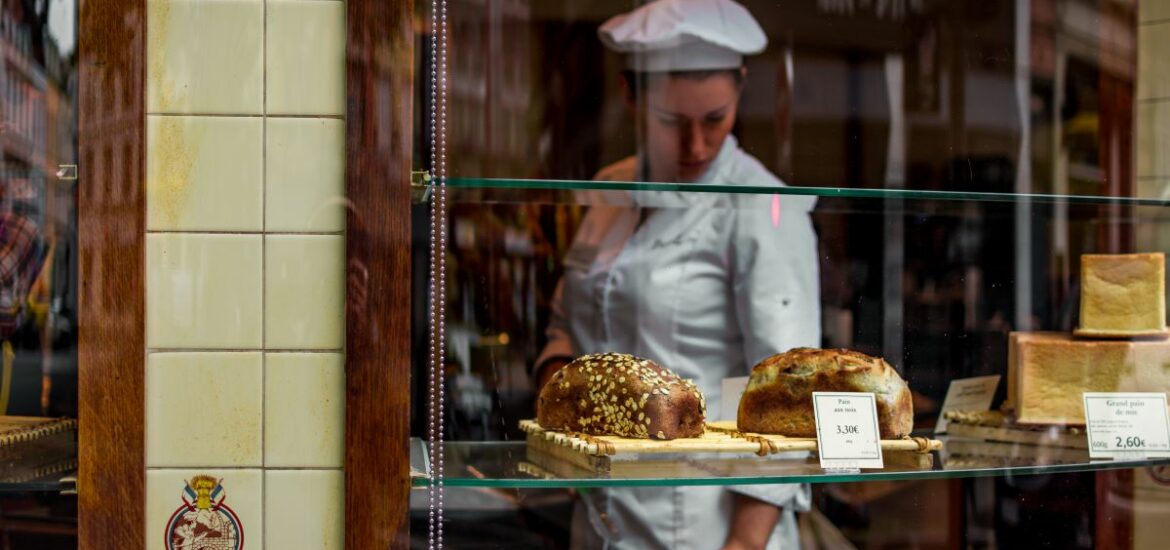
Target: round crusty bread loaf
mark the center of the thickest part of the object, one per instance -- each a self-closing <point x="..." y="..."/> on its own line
<point x="778" y="398"/>
<point x="619" y="394"/>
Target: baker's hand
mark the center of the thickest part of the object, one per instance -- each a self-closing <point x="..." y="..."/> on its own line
<point x="752" y="522"/>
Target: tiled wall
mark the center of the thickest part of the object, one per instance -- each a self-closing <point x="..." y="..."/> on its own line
<point x="245" y="267"/>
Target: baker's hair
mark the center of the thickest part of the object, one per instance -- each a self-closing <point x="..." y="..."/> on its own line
<point x="636" y="81"/>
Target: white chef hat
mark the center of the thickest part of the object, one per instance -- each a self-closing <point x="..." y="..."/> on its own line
<point x="684" y="35"/>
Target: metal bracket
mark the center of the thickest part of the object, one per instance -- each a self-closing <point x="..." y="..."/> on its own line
<point x="420" y="186"/>
<point x="67" y="172"/>
<point x="69" y="485"/>
<point x="842" y="471"/>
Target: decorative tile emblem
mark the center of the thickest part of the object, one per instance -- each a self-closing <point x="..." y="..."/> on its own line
<point x="204" y="522"/>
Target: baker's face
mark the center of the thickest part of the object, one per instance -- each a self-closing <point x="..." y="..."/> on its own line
<point x="683" y="123"/>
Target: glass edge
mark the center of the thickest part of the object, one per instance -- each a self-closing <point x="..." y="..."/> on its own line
<point x="824" y="192"/>
<point x="32" y="486"/>
<point x="517" y="483"/>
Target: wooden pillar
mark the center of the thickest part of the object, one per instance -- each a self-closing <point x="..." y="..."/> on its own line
<point x="111" y="232"/>
<point x="380" y="84"/>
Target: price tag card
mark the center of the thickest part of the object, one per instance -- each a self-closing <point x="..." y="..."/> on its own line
<point x="847" y="430"/>
<point x="1127" y="425"/>
<point x="967" y="394"/>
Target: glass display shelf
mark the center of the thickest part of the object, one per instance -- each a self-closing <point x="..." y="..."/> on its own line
<point x="32" y="481"/>
<point x="562" y="191"/>
<point x="46" y="463"/>
<point x="506" y="464"/>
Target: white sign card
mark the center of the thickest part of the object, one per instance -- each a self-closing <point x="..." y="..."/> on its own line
<point x="847" y="430"/>
<point x="967" y="394"/>
<point x="1127" y="425"/>
<point x="733" y="389"/>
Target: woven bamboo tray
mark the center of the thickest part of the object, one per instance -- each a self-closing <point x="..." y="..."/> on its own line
<point x="597" y="453"/>
<point x="995" y="426"/>
<point x="972" y="453"/>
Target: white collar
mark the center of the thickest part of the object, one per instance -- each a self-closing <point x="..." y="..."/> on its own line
<point x="716" y="173"/>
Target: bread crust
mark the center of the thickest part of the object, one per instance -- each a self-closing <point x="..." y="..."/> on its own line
<point x="1123" y="296"/>
<point x="778" y="398"/>
<point x="623" y="395"/>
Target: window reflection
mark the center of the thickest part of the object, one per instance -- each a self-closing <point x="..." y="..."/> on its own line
<point x="37" y="208"/>
<point x="999" y="96"/>
<point x="976" y="96"/>
<point x="38" y="257"/>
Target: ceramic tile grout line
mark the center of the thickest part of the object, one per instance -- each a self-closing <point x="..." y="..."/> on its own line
<point x="437" y="290"/>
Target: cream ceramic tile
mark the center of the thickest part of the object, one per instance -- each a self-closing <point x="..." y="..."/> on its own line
<point x="304" y="292"/>
<point x="304" y="410"/>
<point x="204" y="409"/>
<point x="304" y="509"/>
<point x="1153" y="138"/>
<point x="306" y="58"/>
<point x="204" y="173"/>
<point x="203" y="291"/>
<point x="242" y="495"/>
<point x="1153" y="10"/>
<point x="305" y="159"/>
<point x="1153" y="63"/>
<point x="205" y="57"/>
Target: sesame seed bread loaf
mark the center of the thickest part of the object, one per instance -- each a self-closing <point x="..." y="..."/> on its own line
<point x="778" y="398"/>
<point x="623" y="395"/>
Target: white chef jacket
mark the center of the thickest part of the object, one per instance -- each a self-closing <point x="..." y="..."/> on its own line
<point x="707" y="286"/>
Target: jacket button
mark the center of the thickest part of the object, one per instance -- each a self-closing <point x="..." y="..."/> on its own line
<point x="605" y="519"/>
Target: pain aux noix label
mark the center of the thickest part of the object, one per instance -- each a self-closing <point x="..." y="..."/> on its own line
<point x="848" y="437"/>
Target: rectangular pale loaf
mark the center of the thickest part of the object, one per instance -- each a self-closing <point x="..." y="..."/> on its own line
<point x="1049" y="372"/>
<point x="1122" y="295"/>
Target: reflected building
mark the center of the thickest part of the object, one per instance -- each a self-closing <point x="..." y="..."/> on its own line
<point x="38" y="134"/>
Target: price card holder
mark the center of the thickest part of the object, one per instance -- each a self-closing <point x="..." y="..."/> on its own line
<point x="1127" y="426"/>
<point x="848" y="437"/>
<point x="967" y="394"/>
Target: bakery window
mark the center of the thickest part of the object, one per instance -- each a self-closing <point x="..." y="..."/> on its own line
<point x="651" y="237"/>
<point x="40" y="268"/>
